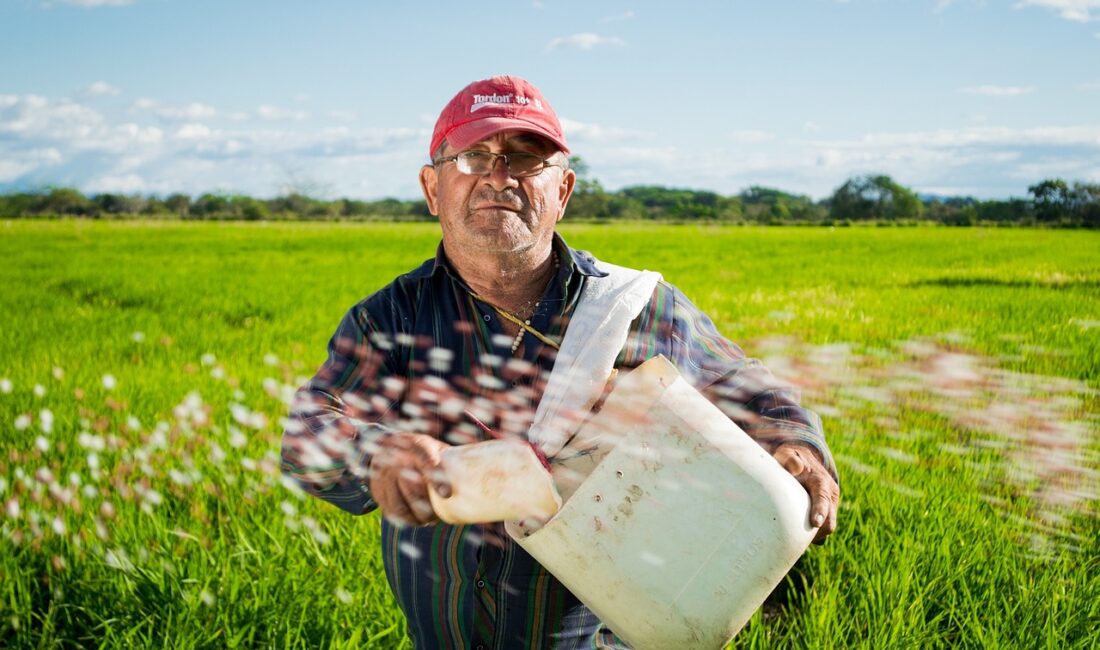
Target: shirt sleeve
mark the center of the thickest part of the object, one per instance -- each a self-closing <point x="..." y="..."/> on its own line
<point x="333" y="425"/>
<point x="767" y="409"/>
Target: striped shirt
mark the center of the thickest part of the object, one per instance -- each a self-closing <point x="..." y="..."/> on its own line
<point x="418" y="354"/>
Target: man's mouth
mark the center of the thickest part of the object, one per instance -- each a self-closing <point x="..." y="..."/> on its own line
<point x="498" y="206"/>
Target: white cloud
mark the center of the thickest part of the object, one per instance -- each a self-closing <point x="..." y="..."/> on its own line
<point x="193" y="131"/>
<point x="1081" y="11"/>
<point x="192" y="111"/>
<point x="583" y="41"/>
<point x="990" y="90"/>
<point x="45" y="141"/>
<point x="189" y="112"/>
<point x="61" y="142"/>
<point x="99" y="89"/>
<point x="751" y="136"/>
<point x="579" y="132"/>
<point x="810" y="126"/>
<point x="124" y="184"/>
<point x="626" y="15"/>
<point x="277" y="113"/>
<point x="982" y="161"/>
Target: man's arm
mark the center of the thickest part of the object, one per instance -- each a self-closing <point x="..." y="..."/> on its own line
<point x="333" y="429"/>
<point x="765" y="408"/>
<point x="335" y="446"/>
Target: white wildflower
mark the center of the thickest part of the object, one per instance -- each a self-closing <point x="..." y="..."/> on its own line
<point x="109" y="382"/>
<point x="118" y="559"/>
<point x="208" y="359"/>
<point x="58" y="526"/>
<point x="158" y="440"/>
<point x="45" y="420"/>
<point x="271" y="360"/>
<point x="132" y="423"/>
<point x="237" y="439"/>
<point x="42" y="444"/>
<point x="91" y="442"/>
<point x="217" y="454"/>
<point x="137" y="337"/>
<point x="58" y="373"/>
<point x="152" y="497"/>
<point x="39" y="390"/>
<point x="22" y="422"/>
<point x="5" y="385"/>
<point x="343" y="596"/>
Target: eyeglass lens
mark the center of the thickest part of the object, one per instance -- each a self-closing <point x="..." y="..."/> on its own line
<point x="481" y="163"/>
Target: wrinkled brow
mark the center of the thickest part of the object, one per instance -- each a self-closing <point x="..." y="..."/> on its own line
<point x="532" y="141"/>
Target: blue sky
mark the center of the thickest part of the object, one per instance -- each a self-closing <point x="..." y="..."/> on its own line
<point x="338" y="97"/>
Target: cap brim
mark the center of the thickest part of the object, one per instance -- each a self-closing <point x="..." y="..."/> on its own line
<point x="470" y="133"/>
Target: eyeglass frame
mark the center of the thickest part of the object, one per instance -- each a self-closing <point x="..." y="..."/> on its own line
<point x="507" y="165"/>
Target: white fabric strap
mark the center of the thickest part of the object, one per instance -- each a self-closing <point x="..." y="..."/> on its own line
<point x="593" y="340"/>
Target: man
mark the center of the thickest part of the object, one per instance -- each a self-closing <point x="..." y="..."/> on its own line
<point x="460" y="348"/>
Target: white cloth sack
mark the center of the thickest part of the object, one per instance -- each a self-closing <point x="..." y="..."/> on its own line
<point x="593" y="340"/>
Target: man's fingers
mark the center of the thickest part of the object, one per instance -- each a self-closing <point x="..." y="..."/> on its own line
<point x="824" y="498"/>
<point x="414" y="492"/>
<point x="401" y="470"/>
<point x="823" y="490"/>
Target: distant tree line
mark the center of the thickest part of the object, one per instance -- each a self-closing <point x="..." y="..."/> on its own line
<point x="862" y="199"/>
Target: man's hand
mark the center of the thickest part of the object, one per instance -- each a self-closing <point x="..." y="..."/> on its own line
<point x="400" y="472"/>
<point x="805" y="465"/>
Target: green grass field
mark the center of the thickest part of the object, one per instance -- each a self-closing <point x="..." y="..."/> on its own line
<point x="144" y="368"/>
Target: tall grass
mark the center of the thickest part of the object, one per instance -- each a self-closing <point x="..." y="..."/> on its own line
<point x="144" y="369"/>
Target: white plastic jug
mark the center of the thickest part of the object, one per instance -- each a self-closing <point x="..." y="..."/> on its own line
<point x="676" y="524"/>
<point x="494" y="480"/>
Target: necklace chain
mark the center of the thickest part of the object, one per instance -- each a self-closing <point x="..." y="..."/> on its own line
<point x="525" y="323"/>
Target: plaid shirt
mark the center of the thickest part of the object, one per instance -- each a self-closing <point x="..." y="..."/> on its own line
<point x="419" y="353"/>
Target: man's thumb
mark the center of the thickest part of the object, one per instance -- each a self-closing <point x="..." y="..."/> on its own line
<point x="791" y="462"/>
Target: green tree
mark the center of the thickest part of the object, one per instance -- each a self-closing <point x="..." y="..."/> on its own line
<point x="874" y="197"/>
<point x="65" y="201"/>
<point x="179" y="203"/>
<point x="1086" y="204"/>
<point x="1053" y="200"/>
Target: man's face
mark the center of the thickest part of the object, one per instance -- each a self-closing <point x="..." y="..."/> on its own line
<point x="498" y="213"/>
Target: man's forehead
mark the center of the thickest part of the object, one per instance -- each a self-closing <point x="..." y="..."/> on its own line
<point x="516" y="138"/>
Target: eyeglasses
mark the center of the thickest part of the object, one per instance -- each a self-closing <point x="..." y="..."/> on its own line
<point x="520" y="164"/>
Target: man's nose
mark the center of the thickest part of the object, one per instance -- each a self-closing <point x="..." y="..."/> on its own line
<point x="500" y="178"/>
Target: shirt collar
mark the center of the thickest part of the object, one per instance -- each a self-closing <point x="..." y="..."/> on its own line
<point x="582" y="261"/>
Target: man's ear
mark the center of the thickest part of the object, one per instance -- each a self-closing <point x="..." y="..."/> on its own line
<point x="565" y="189"/>
<point x="429" y="186"/>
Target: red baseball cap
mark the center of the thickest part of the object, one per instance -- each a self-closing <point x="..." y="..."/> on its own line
<point x="492" y="105"/>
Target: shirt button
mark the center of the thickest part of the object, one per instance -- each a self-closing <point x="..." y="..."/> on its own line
<point x="480" y="584"/>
